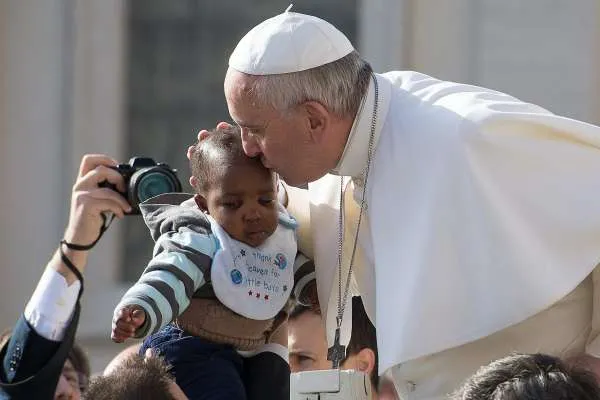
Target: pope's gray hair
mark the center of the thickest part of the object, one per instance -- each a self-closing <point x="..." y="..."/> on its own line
<point x="339" y="86"/>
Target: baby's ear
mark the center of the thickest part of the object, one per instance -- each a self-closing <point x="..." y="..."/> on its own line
<point x="201" y="202"/>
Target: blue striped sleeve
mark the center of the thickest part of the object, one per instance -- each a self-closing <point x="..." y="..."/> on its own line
<point x="180" y="266"/>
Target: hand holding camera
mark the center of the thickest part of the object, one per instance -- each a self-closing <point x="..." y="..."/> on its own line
<point x="143" y="179"/>
<point x="89" y="201"/>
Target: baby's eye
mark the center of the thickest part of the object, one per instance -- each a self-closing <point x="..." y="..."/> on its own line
<point x="232" y="205"/>
<point x="265" y="201"/>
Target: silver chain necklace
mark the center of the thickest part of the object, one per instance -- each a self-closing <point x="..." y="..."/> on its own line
<point x="337" y="353"/>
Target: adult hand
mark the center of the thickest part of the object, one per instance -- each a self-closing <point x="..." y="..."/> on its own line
<point x="203" y="134"/>
<point x="89" y="201"/>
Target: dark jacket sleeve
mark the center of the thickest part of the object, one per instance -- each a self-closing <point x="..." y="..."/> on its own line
<point x="32" y="364"/>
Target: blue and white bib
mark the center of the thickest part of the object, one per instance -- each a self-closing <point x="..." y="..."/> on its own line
<point x="255" y="282"/>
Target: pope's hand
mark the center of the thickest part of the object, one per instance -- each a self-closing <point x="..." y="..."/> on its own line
<point x="89" y="201"/>
<point x="203" y="134"/>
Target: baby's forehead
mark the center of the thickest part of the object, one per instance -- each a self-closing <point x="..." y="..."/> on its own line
<point x="246" y="175"/>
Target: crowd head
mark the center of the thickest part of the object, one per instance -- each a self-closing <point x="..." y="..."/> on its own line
<point x="530" y="377"/>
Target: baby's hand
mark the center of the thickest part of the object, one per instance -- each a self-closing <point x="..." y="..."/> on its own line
<point x="126" y="321"/>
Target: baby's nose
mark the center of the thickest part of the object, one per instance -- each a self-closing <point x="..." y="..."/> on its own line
<point x="252" y="214"/>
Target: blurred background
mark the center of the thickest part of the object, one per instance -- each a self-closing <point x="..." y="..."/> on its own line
<point x="141" y="77"/>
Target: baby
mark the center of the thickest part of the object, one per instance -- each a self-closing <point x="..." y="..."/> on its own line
<point x="232" y="250"/>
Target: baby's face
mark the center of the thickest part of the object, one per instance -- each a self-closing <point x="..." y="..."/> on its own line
<point x="242" y="199"/>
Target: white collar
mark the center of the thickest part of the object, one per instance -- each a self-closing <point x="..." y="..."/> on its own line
<point x="354" y="157"/>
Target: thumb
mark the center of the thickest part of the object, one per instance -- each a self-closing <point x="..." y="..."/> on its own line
<point x="223" y="125"/>
<point x="138" y="316"/>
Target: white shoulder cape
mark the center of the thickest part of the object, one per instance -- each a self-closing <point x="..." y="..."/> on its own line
<point x="483" y="211"/>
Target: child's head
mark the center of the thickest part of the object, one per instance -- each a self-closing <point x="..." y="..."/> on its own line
<point x="236" y="190"/>
<point x="531" y="377"/>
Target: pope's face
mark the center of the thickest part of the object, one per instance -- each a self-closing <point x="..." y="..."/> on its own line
<point x="282" y="140"/>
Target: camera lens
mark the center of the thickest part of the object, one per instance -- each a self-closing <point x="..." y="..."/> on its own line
<point x="150" y="182"/>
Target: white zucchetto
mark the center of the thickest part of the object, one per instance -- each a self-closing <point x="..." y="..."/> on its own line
<point x="289" y="42"/>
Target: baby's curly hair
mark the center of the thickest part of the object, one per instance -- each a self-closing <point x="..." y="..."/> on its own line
<point x="222" y="147"/>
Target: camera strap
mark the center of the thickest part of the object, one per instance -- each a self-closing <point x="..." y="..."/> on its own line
<point x="337" y="353"/>
<point x="106" y="221"/>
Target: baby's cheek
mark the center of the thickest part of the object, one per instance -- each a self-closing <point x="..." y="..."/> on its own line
<point x="224" y="219"/>
<point x="273" y="219"/>
<point x="233" y="226"/>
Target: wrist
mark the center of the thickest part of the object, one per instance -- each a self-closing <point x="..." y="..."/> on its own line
<point x="79" y="236"/>
<point x="77" y="257"/>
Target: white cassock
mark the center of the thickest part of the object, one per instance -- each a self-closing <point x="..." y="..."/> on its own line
<point x="483" y="218"/>
<point x="482" y="211"/>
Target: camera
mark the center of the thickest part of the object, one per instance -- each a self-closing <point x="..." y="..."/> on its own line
<point x="144" y="179"/>
<point x="330" y="384"/>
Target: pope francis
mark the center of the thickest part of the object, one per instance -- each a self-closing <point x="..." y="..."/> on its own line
<point x="468" y="220"/>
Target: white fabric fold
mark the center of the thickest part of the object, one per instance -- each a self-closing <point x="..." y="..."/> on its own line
<point x="483" y="211"/>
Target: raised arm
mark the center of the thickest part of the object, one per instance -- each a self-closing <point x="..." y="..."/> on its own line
<point x="34" y="356"/>
<point x="180" y="266"/>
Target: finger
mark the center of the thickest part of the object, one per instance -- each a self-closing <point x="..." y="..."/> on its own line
<point x="128" y="309"/>
<point x="138" y="320"/>
<point x="138" y="314"/>
<point x="203" y="134"/>
<point x="223" y="125"/>
<point x="119" y="320"/>
<point x="94" y="205"/>
<point x="116" y="339"/>
<point x="123" y="333"/>
<point x="122" y="313"/>
<point x="119" y="336"/>
<point x="149" y="353"/>
<point x="190" y="152"/>
<point x="115" y="320"/>
<point x="125" y="326"/>
<point x="91" y="161"/>
<point x="110" y="195"/>
<point x="119" y="332"/>
<point x="98" y="175"/>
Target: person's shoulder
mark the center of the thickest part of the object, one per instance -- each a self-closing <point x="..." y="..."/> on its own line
<point x="469" y="102"/>
<point x="171" y="212"/>
<point x="432" y="89"/>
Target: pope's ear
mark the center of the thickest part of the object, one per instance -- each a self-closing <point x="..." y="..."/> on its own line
<point x="318" y="120"/>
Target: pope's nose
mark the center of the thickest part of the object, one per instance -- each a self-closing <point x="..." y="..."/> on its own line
<point x="250" y="145"/>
